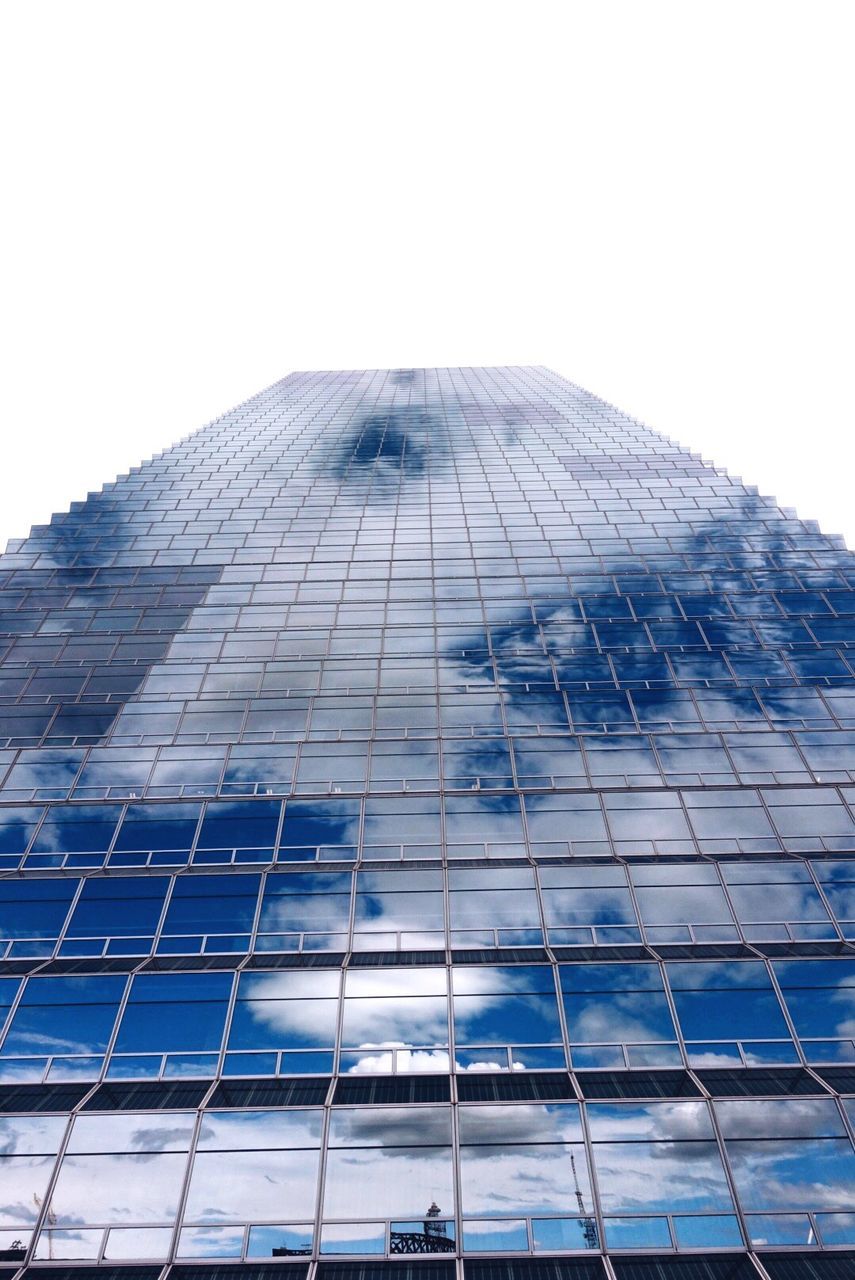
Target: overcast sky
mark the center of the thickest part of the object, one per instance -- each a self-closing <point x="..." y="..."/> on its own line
<point x="654" y="199"/>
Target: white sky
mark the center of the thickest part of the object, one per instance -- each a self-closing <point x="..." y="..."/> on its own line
<point x="655" y="199"/>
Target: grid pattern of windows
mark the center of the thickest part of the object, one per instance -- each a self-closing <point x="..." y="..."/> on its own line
<point x="427" y="826"/>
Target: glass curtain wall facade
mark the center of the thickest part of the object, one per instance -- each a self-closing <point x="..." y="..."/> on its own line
<point x="427" y="819"/>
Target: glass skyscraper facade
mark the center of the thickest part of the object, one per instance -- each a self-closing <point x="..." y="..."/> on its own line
<point x="427" y="828"/>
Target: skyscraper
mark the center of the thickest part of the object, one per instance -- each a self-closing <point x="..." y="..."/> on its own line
<point x="427" y="825"/>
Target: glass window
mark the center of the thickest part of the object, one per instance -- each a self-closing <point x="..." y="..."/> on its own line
<point x="522" y="1160"/>
<point x="682" y="902"/>
<point x="665" y="708"/>
<point x="309" y="824"/>
<point x="70" y="1015"/>
<point x="43" y="774"/>
<point x="314" y="904"/>
<point x="838" y="885"/>
<point x="238" y="824"/>
<point x="728" y="820"/>
<point x="565" y="822"/>
<point x="288" y="1009"/>
<point x="600" y="711"/>
<point x="387" y="1162"/>
<point x="660" y="1157"/>
<point x="820" y="998"/>
<point x="17" y="824"/>
<point x="618" y="1014"/>
<point x="126" y="906"/>
<point x="210" y="904"/>
<point x="115" y="771"/>
<point x="473" y="822"/>
<point x="722" y="1005"/>
<point x="408" y="825"/>
<point x="767" y="894"/>
<point x="620" y="759"/>
<point x="187" y="770"/>
<point x="655" y="818"/>
<point x="766" y="757"/>
<point x="252" y="1165"/>
<point x="171" y="1012"/>
<point x="259" y="769"/>
<point x="28" y="1145"/>
<point x="693" y="758"/>
<point x="395" y="907"/>
<point x="789" y="1154"/>
<point x="495" y="906"/>
<point x="78" y="828"/>
<point x="587" y="904"/>
<point x="404" y="763"/>
<point x="544" y="761"/>
<point x="171" y="825"/>
<point x="122" y="1169"/>
<point x="34" y="908"/>
<point x="813" y="811"/>
<point x="400" y="1009"/>
<point x="476" y="762"/>
<point x="505" y="1005"/>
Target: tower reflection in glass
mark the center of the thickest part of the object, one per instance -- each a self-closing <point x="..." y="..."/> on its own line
<point x="427" y="826"/>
